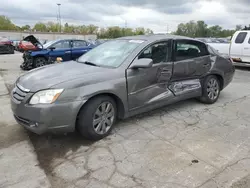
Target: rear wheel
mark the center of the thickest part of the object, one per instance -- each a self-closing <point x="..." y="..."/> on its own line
<point x="210" y="90"/>
<point x="39" y="62"/>
<point x="97" y="117"/>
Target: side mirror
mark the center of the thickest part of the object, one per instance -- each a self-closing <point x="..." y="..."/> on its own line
<point x="142" y="63"/>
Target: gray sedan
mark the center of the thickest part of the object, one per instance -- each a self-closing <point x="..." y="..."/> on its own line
<point x="116" y="80"/>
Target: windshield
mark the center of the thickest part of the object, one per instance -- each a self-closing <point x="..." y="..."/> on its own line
<point x="48" y="44"/>
<point x="111" y="53"/>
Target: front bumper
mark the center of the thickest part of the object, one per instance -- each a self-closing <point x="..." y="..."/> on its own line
<point x="42" y="118"/>
<point x="28" y="61"/>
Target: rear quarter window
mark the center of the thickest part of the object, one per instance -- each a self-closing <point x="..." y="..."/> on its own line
<point x="241" y="37"/>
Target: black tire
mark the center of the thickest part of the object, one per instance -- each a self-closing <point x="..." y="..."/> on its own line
<point x="39" y="62"/>
<point x="85" y="121"/>
<point x="11" y="50"/>
<point x="206" y="90"/>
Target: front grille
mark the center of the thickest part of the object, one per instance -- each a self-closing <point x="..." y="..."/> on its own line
<point x="19" y="94"/>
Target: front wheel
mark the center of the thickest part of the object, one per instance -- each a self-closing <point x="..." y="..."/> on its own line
<point x="97" y="117"/>
<point x="39" y="62"/>
<point x="210" y="90"/>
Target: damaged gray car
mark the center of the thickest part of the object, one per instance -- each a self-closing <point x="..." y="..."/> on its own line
<point x="116" y="80"/>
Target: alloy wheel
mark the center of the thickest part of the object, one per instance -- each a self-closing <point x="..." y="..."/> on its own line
<point x="103" y="118"/>
<point x="213" y="89"/>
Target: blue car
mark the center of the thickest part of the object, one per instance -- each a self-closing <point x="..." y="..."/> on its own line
<point x="66" y="49"/>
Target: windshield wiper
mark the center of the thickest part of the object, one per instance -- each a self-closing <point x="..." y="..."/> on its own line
<point x="89" y="63"/>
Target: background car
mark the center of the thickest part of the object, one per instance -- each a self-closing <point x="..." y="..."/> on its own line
<point x="15" y="43"/>
<point x="66" y="49"/>
<point x="100" y="41"/>
<point x="6" y="46"/>
<point x="26" y="46"/>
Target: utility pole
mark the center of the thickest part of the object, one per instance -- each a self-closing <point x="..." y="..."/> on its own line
<point x="59" y="16"/>
<point x="125" y="28"/>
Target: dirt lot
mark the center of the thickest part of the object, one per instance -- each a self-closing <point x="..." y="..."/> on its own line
<point x="188" y="144"/>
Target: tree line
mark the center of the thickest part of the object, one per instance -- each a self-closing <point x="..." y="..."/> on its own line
<point x="190" y="29"/>
<point x="201" y="29"/>
<point x="109" y="32"/>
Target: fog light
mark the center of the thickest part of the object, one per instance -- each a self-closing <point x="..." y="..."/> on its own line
<point x="34" y="125"/>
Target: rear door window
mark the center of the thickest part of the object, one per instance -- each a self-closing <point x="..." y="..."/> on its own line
<point x="79" y="44"/>
<point x="62" y="44"/>
<point x="241" y="37"/>
<point x="188" y="49"/>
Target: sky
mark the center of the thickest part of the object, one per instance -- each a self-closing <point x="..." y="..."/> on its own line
<point x="159" y="15"/>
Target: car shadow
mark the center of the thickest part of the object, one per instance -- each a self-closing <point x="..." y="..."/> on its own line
<point x="50" y="147"/>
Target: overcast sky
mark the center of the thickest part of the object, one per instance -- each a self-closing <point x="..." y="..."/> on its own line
<point x="158" y="15"/>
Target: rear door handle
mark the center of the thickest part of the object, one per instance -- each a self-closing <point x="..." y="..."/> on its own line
<point x="67" y="52"/>
<point x="165" y="70"/>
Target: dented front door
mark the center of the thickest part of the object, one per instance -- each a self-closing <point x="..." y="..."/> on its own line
<point x="150" y="85"/>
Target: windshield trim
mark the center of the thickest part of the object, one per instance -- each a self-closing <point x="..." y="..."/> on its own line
<point x="51" y="43"/>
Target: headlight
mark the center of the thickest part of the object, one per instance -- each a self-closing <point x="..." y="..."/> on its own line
<point x="46" y="96"/>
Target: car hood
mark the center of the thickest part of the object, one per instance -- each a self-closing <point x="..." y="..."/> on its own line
<point x="52" y="75"/>
<point x="32" y="40"/>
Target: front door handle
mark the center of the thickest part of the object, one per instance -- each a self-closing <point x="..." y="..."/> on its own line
<point x="246" y="48"/>
<point x="67" y="52"/>
<point x="206" y="64"/>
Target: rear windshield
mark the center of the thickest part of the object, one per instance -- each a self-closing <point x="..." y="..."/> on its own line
<point x="241" y="37"/>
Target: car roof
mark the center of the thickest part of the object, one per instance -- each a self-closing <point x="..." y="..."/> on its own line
<point x="156" y="37"/>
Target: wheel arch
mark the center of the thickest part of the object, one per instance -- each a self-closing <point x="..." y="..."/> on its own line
<point x="119" y="104"/>
<point x="40" y="55"/>
<point x="219" y="76"/>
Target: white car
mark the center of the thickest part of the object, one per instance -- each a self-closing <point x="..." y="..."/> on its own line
<point x="239" y="49"/>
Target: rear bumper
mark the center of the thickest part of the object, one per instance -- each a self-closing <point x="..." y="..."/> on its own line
<point x="228" y="77"/>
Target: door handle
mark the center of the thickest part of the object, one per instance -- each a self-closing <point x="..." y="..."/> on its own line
<point x="67" y="52"/>
<point x="206" y="64"/>
<point x="246" y="48"/>
<point x="165" y="70"/>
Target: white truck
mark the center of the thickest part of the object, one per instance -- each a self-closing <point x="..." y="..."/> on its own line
<point x="238" y="50"/>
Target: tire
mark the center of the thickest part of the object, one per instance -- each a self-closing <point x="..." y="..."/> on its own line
<point x="11" y="50"/>
<point x="210" y="90"/>
<point x="39" y="62"/>
<point x="91" y="112"/>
